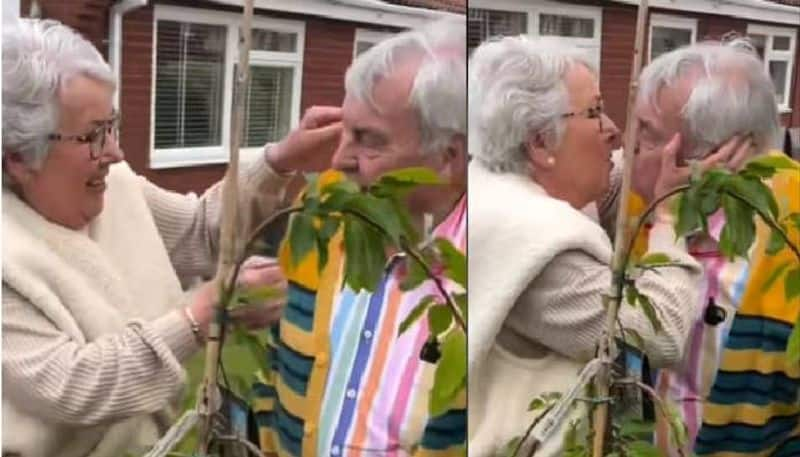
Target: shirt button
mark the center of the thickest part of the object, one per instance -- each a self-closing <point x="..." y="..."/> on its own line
<point x="310" y="427"/>
<point x="351" y="393"/>
<point x="335" y="450"/>
<point x="367" y="334"/>
<point x="321" y="359"/>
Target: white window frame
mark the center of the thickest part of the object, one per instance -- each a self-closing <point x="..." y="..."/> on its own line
<point x="207" y="155"/>
<point x="368" y="36"/>
<point x="592" y="45"/>
<point x="786" y="56"/>
<point x="673" y="22"/>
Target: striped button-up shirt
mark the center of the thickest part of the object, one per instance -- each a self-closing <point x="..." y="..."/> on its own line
<point x="342" y="381"/>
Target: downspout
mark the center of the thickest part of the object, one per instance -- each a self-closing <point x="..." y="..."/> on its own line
<point x="378" y="5"/>
<point x="115" y="39"/>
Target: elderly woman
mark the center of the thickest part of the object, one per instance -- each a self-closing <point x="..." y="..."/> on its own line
<point x="539" y="267"/>
<point x="95" y="324"/>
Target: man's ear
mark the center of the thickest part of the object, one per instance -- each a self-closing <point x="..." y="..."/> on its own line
<point x="16" y="168"/>
<point x="538" y="153"/>
<point x="454" y="161"/>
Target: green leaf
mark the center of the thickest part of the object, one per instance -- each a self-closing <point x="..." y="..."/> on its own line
<point x="302" y="237"/>
<point x="739" y="231"/>
<point x="795" y="219"/>
<point x="330" y="226"/>
<point x="380" y="212"/>
<point x="451" y="373"/>
<point x="776" y="243"/>
<point x="415" y="275"/>
<point x="345" y="186"/>
<point x="774" y="275"/>
<point x="677" y="429"/>
<point x="536" y="403"/>
<point x="688" y="217"/>
<point x="637" y="429"/>
<point x="793" y="345"/>
<point x="708" y="194"/>
<point x="631" y="294"/>
<point x="756" y="193"/>
<point x="758" y="170"/>
<point x="260" y="294"/>
<point x="461" y="301"/>
<point x="415" y="175"/>
<point x="251" y="342"/>
<point x="656" y="258"/>
<point x="650" y="312"/>
<point x="365" y="256"/>
<point x="439" y="318"/>
<point x="776" y="161"/>
<point x="455" y="261"/>
<point x="642" y="449"/>
<point x="792" y="283"/>
<point x="416" y="313"/>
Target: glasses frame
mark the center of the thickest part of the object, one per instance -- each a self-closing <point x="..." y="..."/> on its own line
<point x="591" y="112"/>
<point x="96" y="139"/>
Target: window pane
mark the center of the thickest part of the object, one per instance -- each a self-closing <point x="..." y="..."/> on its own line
<point x="777" y="70"/>
<point x="665" y="39"/>
<point x="566" y="26"/>
<point x="780" y="43"/>
<point x="760" y="43"/>
<point x="269" y="104"/>
<point x="482" y="24"/>
<point x="189" y="84"/>
<point x="268" y="40"/>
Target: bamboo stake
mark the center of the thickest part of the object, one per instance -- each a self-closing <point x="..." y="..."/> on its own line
<point x="230" y="245"/>
<point x="621" y="237"/>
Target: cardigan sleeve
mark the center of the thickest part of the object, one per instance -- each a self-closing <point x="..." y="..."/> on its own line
<point x="562" y="308"/>
<point x="116" y="376"/>
<point x="189" y="225"/>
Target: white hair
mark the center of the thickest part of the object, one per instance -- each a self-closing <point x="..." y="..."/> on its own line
<point x="517" y="90"/>
<point x="39" y="58"/>
<point x="732" y="94"/>
<point x="438" y="94"/>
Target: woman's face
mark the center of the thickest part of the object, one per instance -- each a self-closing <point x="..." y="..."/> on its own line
<point x="69" y="186"/>
<point x="583" y="159"/>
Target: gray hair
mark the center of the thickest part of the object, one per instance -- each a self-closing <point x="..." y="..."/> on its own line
<point x="517" y="90"/>
<point x="438" y="94"/>
<point x="732" y="95"/>
<point x="39" y="58"/>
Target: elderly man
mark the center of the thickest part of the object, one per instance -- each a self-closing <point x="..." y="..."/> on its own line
<point x="343" y="382"/>
<point x="735" y="388"/>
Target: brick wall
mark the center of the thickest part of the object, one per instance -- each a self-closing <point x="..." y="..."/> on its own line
<point x="90" y="17"/>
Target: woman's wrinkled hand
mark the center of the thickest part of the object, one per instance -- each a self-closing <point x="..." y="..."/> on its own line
<point x="309" y="147"/>
<point x="730" y="155"/>
<point x="267" y="286"/>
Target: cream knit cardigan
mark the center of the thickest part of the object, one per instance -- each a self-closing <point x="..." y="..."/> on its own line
<point x="119" y="280"/>
<point x="515" y="230"/>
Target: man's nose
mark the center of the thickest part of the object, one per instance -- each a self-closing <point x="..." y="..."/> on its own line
<point x="345" y="159"/>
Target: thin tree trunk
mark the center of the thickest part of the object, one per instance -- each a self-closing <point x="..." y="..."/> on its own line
<point x="230" y="235"/>
<point x="603" y="380"/>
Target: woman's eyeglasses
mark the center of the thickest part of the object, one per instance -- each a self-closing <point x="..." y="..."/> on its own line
<point x="96" y="138"/>
<point x="593" y="112"/>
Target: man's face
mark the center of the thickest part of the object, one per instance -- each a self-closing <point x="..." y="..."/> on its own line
<point x="656" y="129"/>
<point x="386" y="137"/>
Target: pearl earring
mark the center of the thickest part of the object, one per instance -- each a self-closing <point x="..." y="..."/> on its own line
<point x="551" y="160"/>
